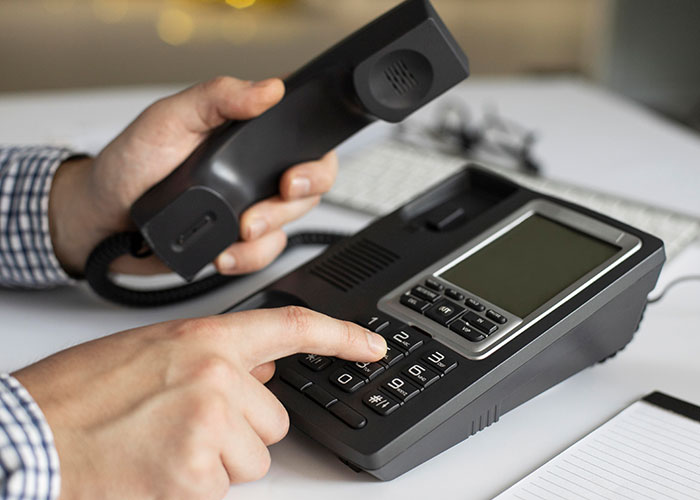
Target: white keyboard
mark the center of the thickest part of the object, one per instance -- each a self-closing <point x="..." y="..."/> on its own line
<point x="381" y="177"/>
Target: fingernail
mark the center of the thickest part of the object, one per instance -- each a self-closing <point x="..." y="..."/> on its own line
<point x="262" y="83"/>
<point x="257" y="228"/>
<point x="227" y="262"/>
<point x="377" y="344"/>
<point x="300" y="187"/>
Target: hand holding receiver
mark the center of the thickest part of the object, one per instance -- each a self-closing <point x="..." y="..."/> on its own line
<point x="385" y="71"/>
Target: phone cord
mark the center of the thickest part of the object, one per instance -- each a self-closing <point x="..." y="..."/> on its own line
<point x="132" y="243"/>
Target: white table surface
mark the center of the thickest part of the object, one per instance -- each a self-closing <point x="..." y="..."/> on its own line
<point x="585" y="133"/>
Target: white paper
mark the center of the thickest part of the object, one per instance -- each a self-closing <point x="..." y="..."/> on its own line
<point x="645" y="452"/>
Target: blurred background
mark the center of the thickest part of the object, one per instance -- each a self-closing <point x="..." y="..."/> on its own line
<point x="648" y="50"/>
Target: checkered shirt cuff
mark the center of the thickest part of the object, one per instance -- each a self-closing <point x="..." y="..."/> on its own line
<point x="27" y="258"/>
<point x="29" y="468"/>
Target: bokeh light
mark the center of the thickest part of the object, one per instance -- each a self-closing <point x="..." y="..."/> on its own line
<point x="175" y="26"/>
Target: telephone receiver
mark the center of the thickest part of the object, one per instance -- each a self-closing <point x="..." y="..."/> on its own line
<point x="385" y="71"/>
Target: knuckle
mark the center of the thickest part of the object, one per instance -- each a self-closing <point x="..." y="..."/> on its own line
<point x="197" y="328"/>
<point x="297" y="320"/>
<point x="218" y="83"/>
<point x="258" y="465"/>
<point x="215" y="371"/>
<point x="207" y="412"/>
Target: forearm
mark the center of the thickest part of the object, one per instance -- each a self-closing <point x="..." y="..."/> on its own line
<point x="29" y="467"/>
<point x="27" y="257"/>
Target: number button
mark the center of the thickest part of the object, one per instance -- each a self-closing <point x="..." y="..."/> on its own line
<point x="423" y="376"/>
<point x="375" y="323"/>
<point x="399" y="388"/>
<point x="407" y="338"/>
<point x="347" y="381"/>
<point x="368" y="370"/>
<point x="315" y="362"/>
<point x="380" y="403"/>
<point x="440" y="360"/>
<point x="392" y="356"/>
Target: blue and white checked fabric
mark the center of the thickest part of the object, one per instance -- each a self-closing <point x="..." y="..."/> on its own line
<point x="27" y="258"/>
<point x="29" y="467"/>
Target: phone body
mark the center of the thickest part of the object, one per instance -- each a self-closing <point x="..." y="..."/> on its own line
<point x="488" y="293"/>
<point x="385" y="71"/>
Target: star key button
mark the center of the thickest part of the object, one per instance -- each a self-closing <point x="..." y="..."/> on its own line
<point x="315" y="362"/>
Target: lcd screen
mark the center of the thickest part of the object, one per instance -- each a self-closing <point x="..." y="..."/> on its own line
<point x="530" y="264"/>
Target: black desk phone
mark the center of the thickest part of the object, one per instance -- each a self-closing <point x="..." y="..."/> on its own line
<point x="487" y="293"/>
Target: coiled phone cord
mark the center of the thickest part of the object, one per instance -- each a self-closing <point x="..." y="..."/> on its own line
<point x="132" y="243"/>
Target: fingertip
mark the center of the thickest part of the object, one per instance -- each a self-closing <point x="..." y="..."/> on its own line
<point x="377" y="344"/>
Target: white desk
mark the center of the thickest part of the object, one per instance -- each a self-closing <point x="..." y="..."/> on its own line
<point x="662" y="356"/>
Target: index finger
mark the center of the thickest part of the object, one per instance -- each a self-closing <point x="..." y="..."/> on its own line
<point x="269" y="334"/>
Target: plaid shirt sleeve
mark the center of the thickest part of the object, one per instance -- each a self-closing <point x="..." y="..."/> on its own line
<point x="27" y="258"/>
<point x="29" y="467"/>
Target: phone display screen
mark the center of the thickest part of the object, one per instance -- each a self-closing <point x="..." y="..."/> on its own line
<point x="530" y="264"/>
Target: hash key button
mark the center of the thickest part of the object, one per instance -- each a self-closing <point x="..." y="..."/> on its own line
<point x="400" y="389"/>
<point x="346" y="380"/>
<point x="440" y="360"/>
<point x="380" y="403"/>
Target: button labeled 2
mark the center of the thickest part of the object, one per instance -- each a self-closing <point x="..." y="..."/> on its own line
<point x="407" y="338"/>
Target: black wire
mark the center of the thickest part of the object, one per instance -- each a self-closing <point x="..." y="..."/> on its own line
<point x="131" y="243"/>
<point x="690" y="277"/>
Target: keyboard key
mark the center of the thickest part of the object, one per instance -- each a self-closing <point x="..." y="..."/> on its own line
<point x="399" y="388"/>
<point x="475" y="304"/>
<point x="392" y="356"/>
<point x="414" y="303"/>
<point x="440" y="360"/>
<point x="454" y="295"/>
<point x="423" y="293"/>
<point x="315" y="362"/>
<point x="497" y="317"/>
<point x="434" y="284"/>
<point x="407" y="338"/>
<point x="420" y="374"/>
<point x="380" y="403"/>
<point x="466" y="331"/>
<point x="320" y="396"/>
<point x="367" y="370"/>
<point x="484" y="325"/>
<point x="347" y="380"/>
<point x="374" y="323"/>
<point x="348" y="415"/>
<point x="295" y="380"/>
<point x="444" y="311"/>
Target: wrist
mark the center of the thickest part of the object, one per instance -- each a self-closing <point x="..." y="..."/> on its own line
<point x="72" y="215"/>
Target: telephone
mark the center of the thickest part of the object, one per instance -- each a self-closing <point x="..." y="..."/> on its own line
<point x="487" y="293"/>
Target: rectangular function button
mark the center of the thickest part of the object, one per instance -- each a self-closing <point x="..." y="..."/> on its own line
<point x="380" y="403"/>
<point x="434" y="284"/>
<point x="414" y="303"/>
<point x="454" y="295"/>
<point x="321" y="396"/>
<point x="466" y="331"/>
<point x="367" y="370"/>
<point x="497" y="317"/>
<point x="480" y="323"/>
<point x="400" y="388"/>
<point x="420" y="374"/>
<point x="348" y="415"/>
<point x="315" y="362"/>
<point x="423" y="293"/>
<point x="347" y="380"/>
<point x="475" y="304"/>
<point x="295" y="380"/>
<point x="374" y="323"/>
<point x="407" y="338"/>
<point x="440" y="360"/>
<point x="444" y="311"/>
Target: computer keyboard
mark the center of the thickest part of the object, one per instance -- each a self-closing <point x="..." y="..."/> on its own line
<point x="379" y="178"/>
